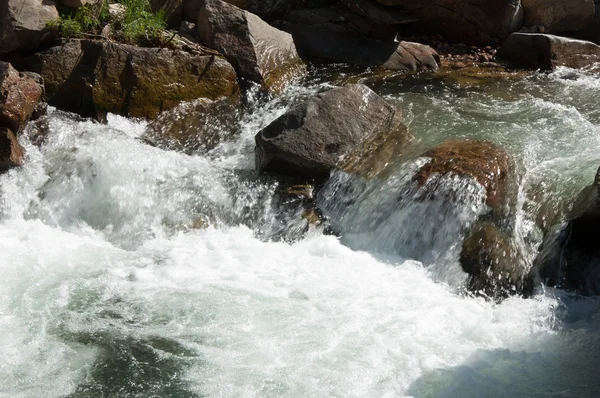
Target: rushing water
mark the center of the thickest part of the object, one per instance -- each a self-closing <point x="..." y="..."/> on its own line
<point x="131" y="271"/>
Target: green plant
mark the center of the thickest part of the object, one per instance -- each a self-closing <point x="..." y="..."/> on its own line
<point x="140" y="25"/>
<point x="69" y="27"/>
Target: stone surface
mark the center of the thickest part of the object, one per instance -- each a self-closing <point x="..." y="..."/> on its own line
<point x="570" y="255"/>
<point x="195" y="127"/>
<point x="91" y="78"/>
<point x="378" y="13"/>
<point x="472" y="21"/>
<point x="546" y="52"/>
<point x="78" y="3"/>
<point x="172" y="10"/>
<point x="557" y="16"/>
<point x="331" y="42"/>
<point x="324" y="132"/>
<point x="19" y="96"/>
<point x="12" y="153"/>
<point x="492" y="262"/>
<point x="25" y="25"/>
<point x="591" y="31"/>
<point x="259" y="52"/>
<point x="483" y="161"/>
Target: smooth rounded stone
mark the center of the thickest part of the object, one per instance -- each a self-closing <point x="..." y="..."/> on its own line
<point x="19" y="97"/>
<point x="26" y="25"/>
<point x="259" y="52"/>
<point x="469" y="21"/>
<point x="485" y="162"/>
<point x="78" y="3"/>
<point x="91" y="78"/>
<point x="546" y="52"/>
<point x="493" y="263"/>
<point x="339" y="128"/>
<point x="378" y="13"/>
<point x="570" y="255"/>
<point x="12" y="153"/>
<point x="558" y="16"/>
<point x="195" y="127"/>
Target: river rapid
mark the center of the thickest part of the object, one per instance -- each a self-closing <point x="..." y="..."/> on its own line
<point x="132" y="271"/>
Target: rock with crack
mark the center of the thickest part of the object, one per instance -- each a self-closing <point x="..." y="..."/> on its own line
<point x="546" y="52"/>
<point x="345" y="124"/>
<point x="26" y="25"/>
<point x="19" y="97"/>
<point x="259" y="52"/>
<point x="91" y="78"/>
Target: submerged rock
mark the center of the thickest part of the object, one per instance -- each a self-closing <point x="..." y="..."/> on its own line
<point x="570" y="255"/>
<point x="194" y="127"/>
<point x="92" y="78"/>
<point x="25" y="25"/>
<point x="546" y="52"/>
<point x="492" y="262"/>
<point x="327" y="131"/>
<point x="19" y="97"/>
<point x="12" y="153"/>
<point x="485" y="162"/>
<point x="558" y="16"/>
<point x="259" y="52"/>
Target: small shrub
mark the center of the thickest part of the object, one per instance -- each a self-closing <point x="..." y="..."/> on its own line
<point x="69" y="28"/>
<point x="140" y="25"/>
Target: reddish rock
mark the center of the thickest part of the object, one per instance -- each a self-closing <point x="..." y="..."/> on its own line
<point x="12" y="153"/>
<point x="19" y="95"/>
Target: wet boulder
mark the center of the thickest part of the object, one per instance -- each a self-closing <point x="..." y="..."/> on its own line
<point x="492" y="262"/>
<point x="334" y="35"/>
<point x="19" y="97"/>
<point x="91" y="78"/>
<point x="486" y="163"/>
<point x="26" y="25"/>
<point x="570" y="256"/>
<point x="195" y="127"/>
<point x="470" y="21"/>
<point x="334" y="129"/>
<point x="12" y="153"/>
<point x="591" y="31"/>
<point x="558" y="16"/>
<point x="546" y="52"/>
<point x="259" y="52"/>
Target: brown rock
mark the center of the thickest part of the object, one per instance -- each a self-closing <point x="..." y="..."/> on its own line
<point x="259" y="52"/>
<point x="546" y="52"/>
<point x="25" y="25"/>
<point x="19" y="96"/>
<point x="12" y="153"/>
<point x="483" y="161"/>
<point x="558" y="16"/>
<point x="91" y="78"/>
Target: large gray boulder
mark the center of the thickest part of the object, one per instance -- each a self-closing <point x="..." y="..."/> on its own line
<point x="331" y="130"/>
<point x="25" y="25"/>
<point x="19" y="96"/>
<point x="91" y="78"/>
<point x="558" y="16"/>
<point x="472" y="21"/>
<point x="546" y="52"/>
<point x="259" y="52"/>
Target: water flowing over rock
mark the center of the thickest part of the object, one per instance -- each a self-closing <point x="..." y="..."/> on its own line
<point x="322" y="133"/>
<point x="483" y="161"/>
<point x="546" y="52"/>
<point x="570" y="255"/>
<point x="329" y="34"/>
<point x="19" y="96"/>
<point x="259" y="52"/>
<point x="25" y="25"/>
<point x="558" y="16"/>
<point x="12" y="153"/>
<point x="93" y="77"/>
<point x="478" y="21"/>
